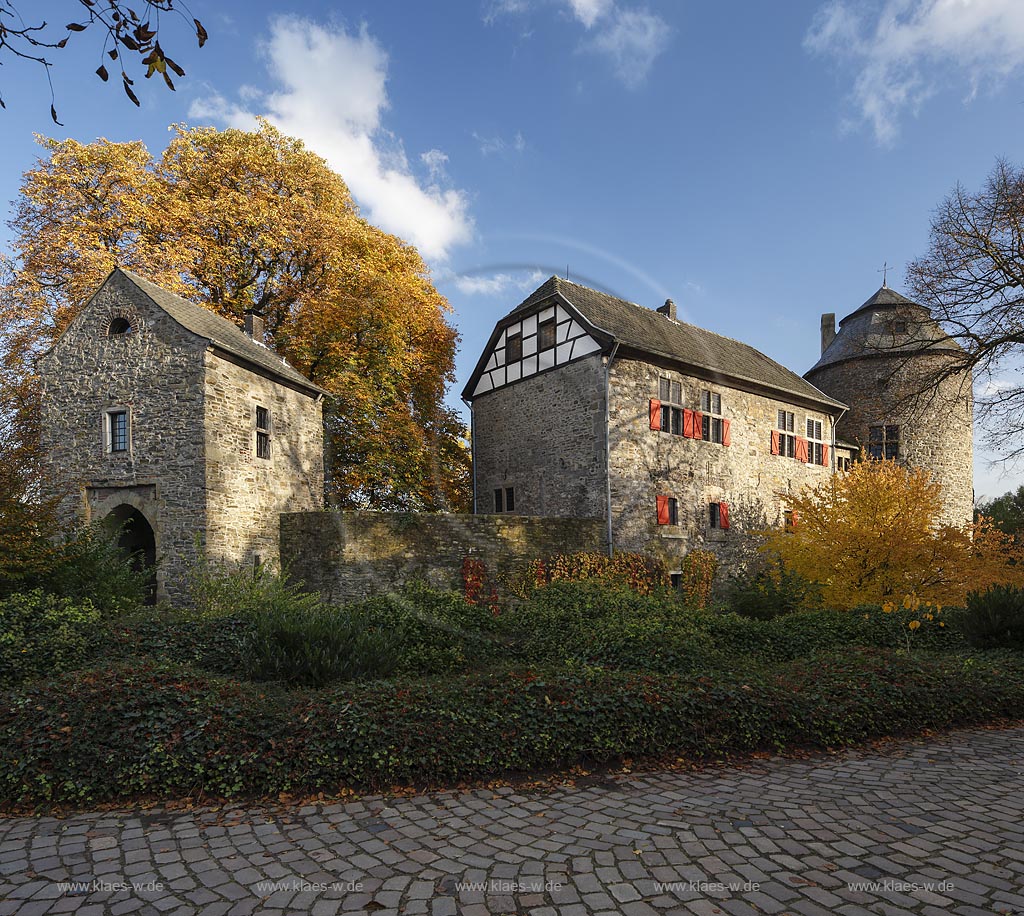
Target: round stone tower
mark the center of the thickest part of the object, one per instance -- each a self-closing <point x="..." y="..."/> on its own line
<point x="896" y="368"/>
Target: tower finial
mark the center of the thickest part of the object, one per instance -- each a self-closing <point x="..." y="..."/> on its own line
<point x="884" y="272"/>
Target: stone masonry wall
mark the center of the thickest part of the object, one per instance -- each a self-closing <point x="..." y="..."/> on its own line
<point x="155" y="372"/>
<point x="350" y="555"/>
<point x="936" y="429"/>
<point x="246" y="494"/>
<point x="544" y="436"/>
<point x="646" y="463"/>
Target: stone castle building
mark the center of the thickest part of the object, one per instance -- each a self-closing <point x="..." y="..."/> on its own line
<point x="587" y="405"/>
<point x="652" y="434"/>
<point x="163" y="415"/>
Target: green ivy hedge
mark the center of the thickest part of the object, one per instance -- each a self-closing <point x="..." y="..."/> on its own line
<point x="44" y="634"/>
<point x="128" y="731"/>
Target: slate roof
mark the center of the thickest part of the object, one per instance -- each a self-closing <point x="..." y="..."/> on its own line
<point x="221" y="333"/>
<point x="868" y="331"/>
<point x="643" y="329"/>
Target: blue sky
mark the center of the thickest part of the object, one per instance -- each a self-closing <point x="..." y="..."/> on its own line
<point x="756" y="162"/>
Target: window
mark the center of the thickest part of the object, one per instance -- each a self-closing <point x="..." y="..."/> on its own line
<point x="711" y="402"/>
<point x="263" y="432"/>
<point x="546" y="335"/>
<point x="842" y="464"/>
<point x="505" y="499"/>
<point x="671" y="394"/>
<point x="718" y="515"/>
<point x="784" y="441"/>
<point x="499" y="500"/>
<point x="117" y="431"/>
<point x="817" y="450"/>
<point x="883" y="442"/>
<point x="668" y="510"/>
<point x="513" y="348"/>
<point x="899" y="327"/>
<point x="788" y="519"/>
<point x="712" y="424"/>
<point x="119" y="327"/>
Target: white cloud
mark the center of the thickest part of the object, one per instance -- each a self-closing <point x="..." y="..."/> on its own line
<point x="332" y="94"/>
<point x="496" y="284"/>
<point x="589" y="11"/>
<point x="495" y="143"/>
<point x="632" y="40"/>
<point x="914" y="48"/>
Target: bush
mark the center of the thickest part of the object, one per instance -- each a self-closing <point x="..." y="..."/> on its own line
<point x="120" y="733"/>
<point x="43" y="634"/>
<point x="994" y="619"/>
<point x="770" y="590"/>
<point x="87" y="565"/>
<point x="635" y="571"/>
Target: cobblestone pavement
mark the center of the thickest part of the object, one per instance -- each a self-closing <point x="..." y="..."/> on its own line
<point x="921" y="827"/>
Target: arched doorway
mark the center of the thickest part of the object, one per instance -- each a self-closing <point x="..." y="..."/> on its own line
<point x="135" y="538"/>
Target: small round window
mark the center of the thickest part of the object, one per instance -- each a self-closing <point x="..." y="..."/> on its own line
<point x="119" y="327"/>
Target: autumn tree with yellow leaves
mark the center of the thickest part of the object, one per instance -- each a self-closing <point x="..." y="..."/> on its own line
<point x="238" y="220"/>
<point x="872" y="536"/>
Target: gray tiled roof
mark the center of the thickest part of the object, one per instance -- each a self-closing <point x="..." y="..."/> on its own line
<point x="869" y="331"/>
<point x="222" y="333"/>
<point x="648" y="331"/>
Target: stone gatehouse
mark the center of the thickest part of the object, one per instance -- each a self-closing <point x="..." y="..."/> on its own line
<point x="161" y="414"/>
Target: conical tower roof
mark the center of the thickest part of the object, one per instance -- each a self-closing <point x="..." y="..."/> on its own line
<point x="887" y="324"/>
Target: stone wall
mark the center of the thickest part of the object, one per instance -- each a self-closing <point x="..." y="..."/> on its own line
<point x="246" y="494"/>
<point x="936" y="426"/>
<point x="646" y="463"/>
<point x="154" y="372"/>
<point x="544" y="436"/>
<point x="349" y="555"/>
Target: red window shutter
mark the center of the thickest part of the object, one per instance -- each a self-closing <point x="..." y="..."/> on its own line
<point x="824" y="455"/>
<point x="688" y="423"/>
<point x="726" y="435"/>
<point x="723" y="515"/>
<point x="663" y="517"/>
<point x="655" y="414"/>
<point x="776" y="443"/>
<point x="796" y="518"/>
<point x="698" y="425"/>
<point x="801" y="449"/>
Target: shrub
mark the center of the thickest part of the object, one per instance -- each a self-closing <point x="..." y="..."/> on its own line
<point x="770" y="590"/>
<point x="698" y="577"/>
<point x="316" y="646"/>
<point x="642" y="574"/>
<point x="86" y="565"/>
<point x="43" y="634"/>
<point x="994" y="619"/>
<point x="127" y="731"/>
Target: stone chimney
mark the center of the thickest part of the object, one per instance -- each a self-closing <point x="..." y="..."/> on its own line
<point x="254" y="326"/>
<point x="669" y="308"/>
<point x="828" y="329"/>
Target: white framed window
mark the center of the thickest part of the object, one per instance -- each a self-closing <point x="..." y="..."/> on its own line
<point x="117" y="431"/>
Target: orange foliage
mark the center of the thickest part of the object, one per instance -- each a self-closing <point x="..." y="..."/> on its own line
<point x="237" y="220"/>
<point x="872" y="536"/>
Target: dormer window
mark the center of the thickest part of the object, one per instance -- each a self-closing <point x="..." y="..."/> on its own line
<point x="119" y="327"/>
